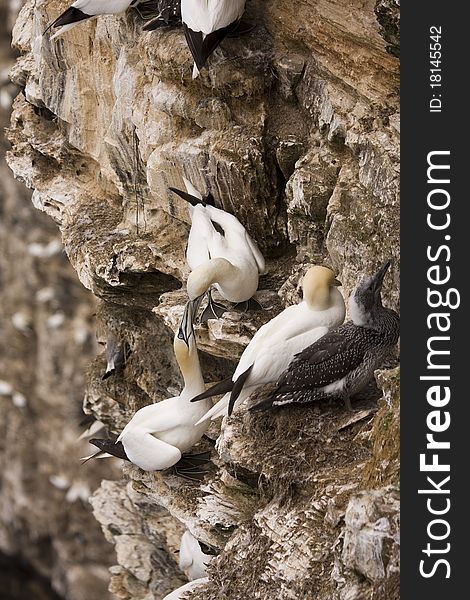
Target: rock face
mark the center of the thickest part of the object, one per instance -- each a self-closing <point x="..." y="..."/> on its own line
<point x="294" y="128"/>
<point x="50" y="545"/>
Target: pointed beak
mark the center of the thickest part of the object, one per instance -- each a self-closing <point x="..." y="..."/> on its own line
<point x="336" y="282"/>
<point x="378" y="278"/>
<point x="188" y="197"/>
<point x="186" y="325"/>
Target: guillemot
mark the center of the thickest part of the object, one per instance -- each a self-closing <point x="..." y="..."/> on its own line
<point x="117" y="353"/>
<point x="343" y="361"/>
<point x="277" y="342"/>
<point x="220" y="253"/>
<point x="82" y="10"/>
<point x="206" y="23"/>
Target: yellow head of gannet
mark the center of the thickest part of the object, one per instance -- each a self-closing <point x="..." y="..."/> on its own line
<point x="318" y="285"/>
<point x="276" y="343"/>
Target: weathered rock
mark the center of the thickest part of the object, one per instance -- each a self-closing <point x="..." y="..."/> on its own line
<point x="293" y="128"/>
<point x="47" y="529"/>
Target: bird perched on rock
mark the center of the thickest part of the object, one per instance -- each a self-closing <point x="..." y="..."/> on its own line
<point x="192" y="560"/>
<point x="117" y="353"/>
<point x="221" y="253"/>
<point x="81" y="10"/>
<point x="277" y="342"/>
<point x="187" y="587"/>
<point x="157" y="435"/>
<point x="343" y="361"/>
<point x="206" y="23"/>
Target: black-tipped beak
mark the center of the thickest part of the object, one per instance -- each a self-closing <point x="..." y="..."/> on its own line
<point x="378" y="278"/>
<point x="185" y="330"/>
<point x="336" y="282"/>
<point x="188" y="197"/>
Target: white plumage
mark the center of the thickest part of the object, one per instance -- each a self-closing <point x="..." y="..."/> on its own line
<point x="203" y="18"/>
<point x="277" y="342"/>
<point x="230" y="261"/>
<point x="88" y="9"/>
<point x="192" y="585"/>
<point x="157" y="435"/>
<point x="209" y="15"/>
<point x="192" y="561"/>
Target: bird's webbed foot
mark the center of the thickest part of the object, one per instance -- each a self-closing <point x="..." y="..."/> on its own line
<point x="248" y="305"/>
<point x="213" y="310"/>
<point x="192" y="467"/>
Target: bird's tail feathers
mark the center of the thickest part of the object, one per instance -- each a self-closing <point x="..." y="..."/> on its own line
<point x="192" y="467"/>
<point x="224" y="386"/>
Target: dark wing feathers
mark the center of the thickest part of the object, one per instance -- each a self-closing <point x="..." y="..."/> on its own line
<point x="194" y="41"/>
<point x="328" y="360"/>
<point x="201" y="48"/>
<point x="224" y="386"/>
<point x="71" y="15"/>
<point x="237" y="388"/>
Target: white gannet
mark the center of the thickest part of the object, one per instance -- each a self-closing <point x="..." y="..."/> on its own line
<point x="220" y="253"/>
<point x="276" y="343"/>
<point x="193" y="561"/>
<point x="157" y="435"/>
<point x="343" y="361"/>
<point x="187" y="587"/>
<point x="206" y="23"/>
<point x="81" y="10"/>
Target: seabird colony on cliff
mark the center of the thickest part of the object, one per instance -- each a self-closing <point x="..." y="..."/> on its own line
<point x="305" y="351"/>
<point x="206" y="23"/>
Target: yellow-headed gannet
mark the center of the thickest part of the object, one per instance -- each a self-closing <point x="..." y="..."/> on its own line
<point x="157" y="435"/>
<point x="343" y="361"/>
<point x="277" y="342"/>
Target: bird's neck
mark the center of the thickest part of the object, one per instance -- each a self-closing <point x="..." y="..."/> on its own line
<point x="323" y="299"/>
<point x="219" y="269"/>
<point x="188" y="362"/>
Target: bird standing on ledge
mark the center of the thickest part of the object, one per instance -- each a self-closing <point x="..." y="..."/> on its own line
<point x="157" y="435"/>
<point x="342" y="362"/>
<point x="221" y="253"/>
<point x="277" y="342"/>
<point x="87" y="9"/>
<point x="206" y="23"/>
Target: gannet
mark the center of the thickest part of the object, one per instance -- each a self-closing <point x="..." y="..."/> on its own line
<point x="117" y="353"/>
<point x="157" y="435"/>
<point x="343" y="361"/>
<point x="81" y="10"/>
<point x="187" y="587"/>
<point x="193" y="561"/>
<point x="221" y="253"/>
<point x="206" y="23"/>
<point x="277" y="342"/>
